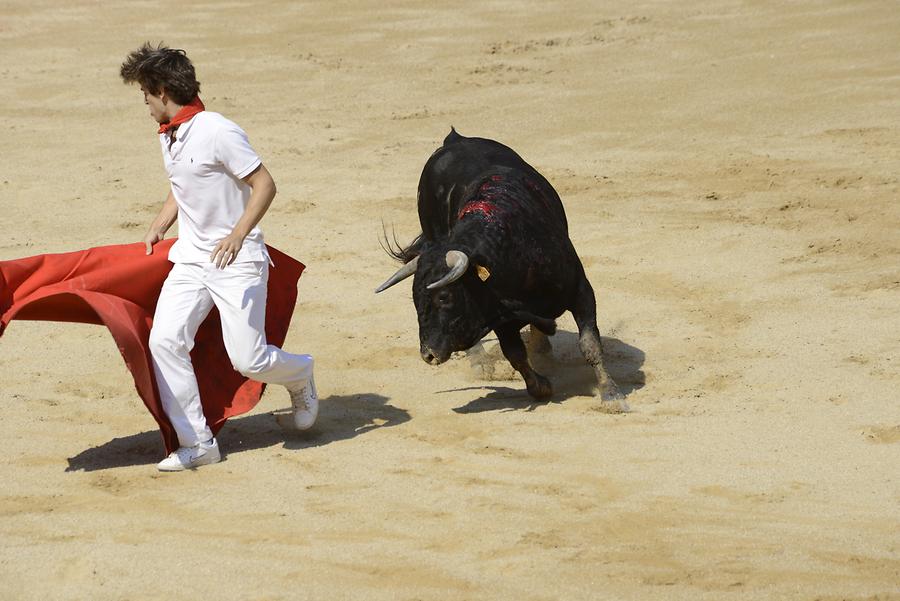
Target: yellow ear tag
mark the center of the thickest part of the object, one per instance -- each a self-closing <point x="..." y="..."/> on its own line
<point x="483" y="273"/>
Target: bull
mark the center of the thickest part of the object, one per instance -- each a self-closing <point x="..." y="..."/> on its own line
<point x="495" y="254"/>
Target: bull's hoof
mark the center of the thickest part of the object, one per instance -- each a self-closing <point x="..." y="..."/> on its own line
<point x="539" y="387"/>
<point x="612" y="401"/>
<point x="617" y="406"/>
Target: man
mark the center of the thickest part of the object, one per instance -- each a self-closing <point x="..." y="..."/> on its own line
<point x="219" y="192"/>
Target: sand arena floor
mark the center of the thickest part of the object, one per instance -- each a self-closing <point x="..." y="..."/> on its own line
<point x="730" y="172"/>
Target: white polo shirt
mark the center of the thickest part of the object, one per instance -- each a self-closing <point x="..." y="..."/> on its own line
<point x="206" y="164"/>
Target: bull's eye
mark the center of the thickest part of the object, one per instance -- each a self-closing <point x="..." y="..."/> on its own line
<point x="444" y="299"/>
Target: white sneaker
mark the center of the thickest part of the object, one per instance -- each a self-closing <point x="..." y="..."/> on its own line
<point x="305" y="401"/>
<point x="184" y="458"/>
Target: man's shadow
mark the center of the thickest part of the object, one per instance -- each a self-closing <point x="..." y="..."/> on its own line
<point x="569" y="373"/>
<point x="340" y="418"/>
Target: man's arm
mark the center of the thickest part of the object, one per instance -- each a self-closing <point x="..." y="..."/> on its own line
<point x="263" y="191"/>
<point x="167" y="216"/>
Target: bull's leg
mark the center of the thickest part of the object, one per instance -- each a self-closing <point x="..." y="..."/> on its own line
<point x="514" y="350"/>
<point x="537" y="342"/>
<point x="585" y="314"/>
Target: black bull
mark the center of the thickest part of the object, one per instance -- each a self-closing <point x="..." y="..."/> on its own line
<point x="494" y="254"/>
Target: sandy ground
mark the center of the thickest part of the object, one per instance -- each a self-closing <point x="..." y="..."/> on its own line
<point x="730" y="172"/>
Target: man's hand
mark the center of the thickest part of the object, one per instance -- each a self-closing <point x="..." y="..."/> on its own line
<point x="152" y="237"/>
<point x="167" y="216"/>
<point x="227" y="249"/>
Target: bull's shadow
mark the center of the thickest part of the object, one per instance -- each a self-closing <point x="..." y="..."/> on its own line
<point x="340" y="418"/>
<point x="569" y="373"/>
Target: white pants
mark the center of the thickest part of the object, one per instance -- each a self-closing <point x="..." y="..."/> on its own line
<point x="187" y="297"/>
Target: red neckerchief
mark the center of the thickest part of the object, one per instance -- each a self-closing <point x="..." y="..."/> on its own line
<point x="186" y="113"/>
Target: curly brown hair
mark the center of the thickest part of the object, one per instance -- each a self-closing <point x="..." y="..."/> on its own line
<point x="162" y="68"/>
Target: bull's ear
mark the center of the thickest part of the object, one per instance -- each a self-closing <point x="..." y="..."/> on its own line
<point x="483" y="272"/>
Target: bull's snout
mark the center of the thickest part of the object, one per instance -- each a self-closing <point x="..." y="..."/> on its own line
<point x="430" y="357"/>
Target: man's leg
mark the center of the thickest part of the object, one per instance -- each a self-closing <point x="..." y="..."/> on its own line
<point x="183" y="304"/>
<point x="239" y="292"/>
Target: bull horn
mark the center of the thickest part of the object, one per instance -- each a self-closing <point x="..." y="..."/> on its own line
<point x="458" y="262"/>
<point x="404" y="272"/>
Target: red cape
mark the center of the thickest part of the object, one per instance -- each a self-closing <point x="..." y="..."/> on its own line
<point x="118" y="286"/>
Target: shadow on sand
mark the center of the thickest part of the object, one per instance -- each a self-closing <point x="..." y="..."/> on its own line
<point x="569" y="373"/>
<point x="340" y="418"/>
